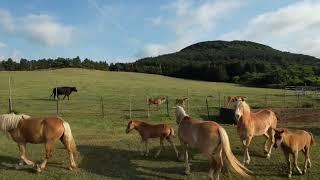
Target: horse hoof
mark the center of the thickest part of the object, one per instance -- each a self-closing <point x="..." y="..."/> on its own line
<point x="268" y="156"/>
<point x="289" y="175"/>
<point x="187" y="173"/>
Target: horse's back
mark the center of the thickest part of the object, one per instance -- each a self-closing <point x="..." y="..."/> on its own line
<point x="299" y="138"/>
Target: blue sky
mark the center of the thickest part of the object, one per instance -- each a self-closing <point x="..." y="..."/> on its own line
<point x="125" y="30"/>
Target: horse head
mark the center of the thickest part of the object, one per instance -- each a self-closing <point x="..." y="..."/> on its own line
<point x="131" y="125"/>
<point x="238" y="110"/>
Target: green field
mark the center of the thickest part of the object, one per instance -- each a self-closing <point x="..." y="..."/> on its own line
<point x="105" y="151"/>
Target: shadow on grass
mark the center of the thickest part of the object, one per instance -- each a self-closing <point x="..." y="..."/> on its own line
<point x="8" y="163"/>
<point x="115" y="163"/>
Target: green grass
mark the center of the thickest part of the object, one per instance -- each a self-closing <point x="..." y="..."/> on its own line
<point x="106" y="152"/>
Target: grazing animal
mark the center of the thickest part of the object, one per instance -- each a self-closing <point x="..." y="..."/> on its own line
<point x="232" y="101"/>
<point x="156" y="101"/>
<point x="212" y="141"/>
<point x="66" y="91"/>
<point x="147" y="131"/>
<point x="251" y="124"/>
<point x="25" y="129"/>
<point x="293" y="141"/>
<point x="181" y="101"/>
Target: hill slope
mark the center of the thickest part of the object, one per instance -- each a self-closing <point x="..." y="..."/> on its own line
<point x="235" y="61"/>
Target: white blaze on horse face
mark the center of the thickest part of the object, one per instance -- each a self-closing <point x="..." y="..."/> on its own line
<point x="238" y="112"/>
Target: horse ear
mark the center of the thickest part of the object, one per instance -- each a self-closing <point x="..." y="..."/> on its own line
<point x="243" y="98"/>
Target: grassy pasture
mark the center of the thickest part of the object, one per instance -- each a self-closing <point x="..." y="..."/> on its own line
<point x="106" y="152"/>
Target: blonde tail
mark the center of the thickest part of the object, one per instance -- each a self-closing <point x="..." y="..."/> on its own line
<point x="68" y="140"/>
<point x="230" y="159"/>
<point x="172" y="132"/>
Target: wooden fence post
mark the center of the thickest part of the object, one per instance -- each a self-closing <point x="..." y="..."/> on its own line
<point x="10" y="97"/>
<point x="188" y="100"/>
<point x="219" y="94"/>
<point x="102" y="107"/>
<point x="167" y="106"/>
<point x="207" y="107"/>
<point x="57" y="106"/>
<point x="148" y="107"/>
<point x="130" y="107"/>
<point x="284" y="97"/>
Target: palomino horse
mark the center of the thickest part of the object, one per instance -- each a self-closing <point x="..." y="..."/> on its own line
<point x="25" y="129"/>
<point x="212" y="141"/>
<point x="293" y="141"/>
<point x="251" y="124"/>
<point x="147" y="131"/>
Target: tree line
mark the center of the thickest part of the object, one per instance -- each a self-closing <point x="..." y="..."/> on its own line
<point x="240" y="62"/>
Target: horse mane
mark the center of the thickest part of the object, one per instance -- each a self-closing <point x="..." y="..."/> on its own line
<point x="180" y="113"/>
<point x="246" y="107"/>
<point x="11" y="121"/>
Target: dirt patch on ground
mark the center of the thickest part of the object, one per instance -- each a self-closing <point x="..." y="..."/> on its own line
<point x="302" y="117"/>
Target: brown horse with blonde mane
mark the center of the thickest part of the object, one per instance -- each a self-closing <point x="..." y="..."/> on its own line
<point x="251" y="124"/>
<point x="293" y="141"/>
<point x="212" y="141"/>
<point x="25" y="129"/>
<point x="147" y="131"/>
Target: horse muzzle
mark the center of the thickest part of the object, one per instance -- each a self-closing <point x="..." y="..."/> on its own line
<point x="275" y="145"/>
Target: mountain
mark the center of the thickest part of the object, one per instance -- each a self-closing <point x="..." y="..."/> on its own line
<point x="242" y="62"/>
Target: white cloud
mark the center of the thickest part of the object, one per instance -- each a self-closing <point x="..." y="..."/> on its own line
<point x="193" y="21"/>
<point x="40" y="28"/>
<point x="6" y="20"/>
<point x="155" y="21"/>
<point x="46" y="30"/>
<point x="2" y="45"/>
<point x="292" y="28"/>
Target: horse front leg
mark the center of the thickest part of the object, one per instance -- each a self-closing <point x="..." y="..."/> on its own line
<point x="23" y="156"/>
<point x="246" y="155"/>
<point x="295" y="156"/>
<point x="186" y="160"/>
<point x="161" y="147"/>
<point x="49" y="150"/>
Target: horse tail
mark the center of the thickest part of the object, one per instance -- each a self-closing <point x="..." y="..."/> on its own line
<point x="68" y="139"/>
<point x="230" y="159"/>
<point x="312" y="142"/>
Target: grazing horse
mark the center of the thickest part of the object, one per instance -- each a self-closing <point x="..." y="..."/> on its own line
<point x="293" y="141"/>
<point x="147" y="131"/>
<point x="251" y="124"/>
<point x="212" y="141"/>
<point x="156" y="101"/>
<point x="25" y="129"/>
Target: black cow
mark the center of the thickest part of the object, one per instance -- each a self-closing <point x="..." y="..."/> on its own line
<point x="66" y="91"/>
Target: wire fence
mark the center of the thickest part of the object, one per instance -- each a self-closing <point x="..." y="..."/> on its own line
<point x="137" y="106"/>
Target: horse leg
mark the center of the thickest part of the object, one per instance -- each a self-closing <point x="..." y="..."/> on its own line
<point x="23" y="156"/>
<point x="71" y="152"/>
<point x="141" y="147"/>
<point x="246" y="150"/>
<point x="266" y="142"/>
<point x="43" y="165"/>
<point x="306" y="159"/>
<point x="295" y="156"/>
<point x="217" y="163"/>
<point x="64" y="97"/>
<point x="271" y="139"/>
<point x="147" y="149"/>
<point x="287" y="155"/>
<point x="173" y="146"/>
<point x="161" y="147"/>
<point x="186" y="160"/>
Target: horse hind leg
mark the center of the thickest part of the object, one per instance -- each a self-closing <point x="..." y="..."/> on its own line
<point x="71" y="151"/>
<point x="217" y="164"/>
<point x="49" y="150"/>
<point x="307" y="162"/>
<point x="266" y="142"/>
